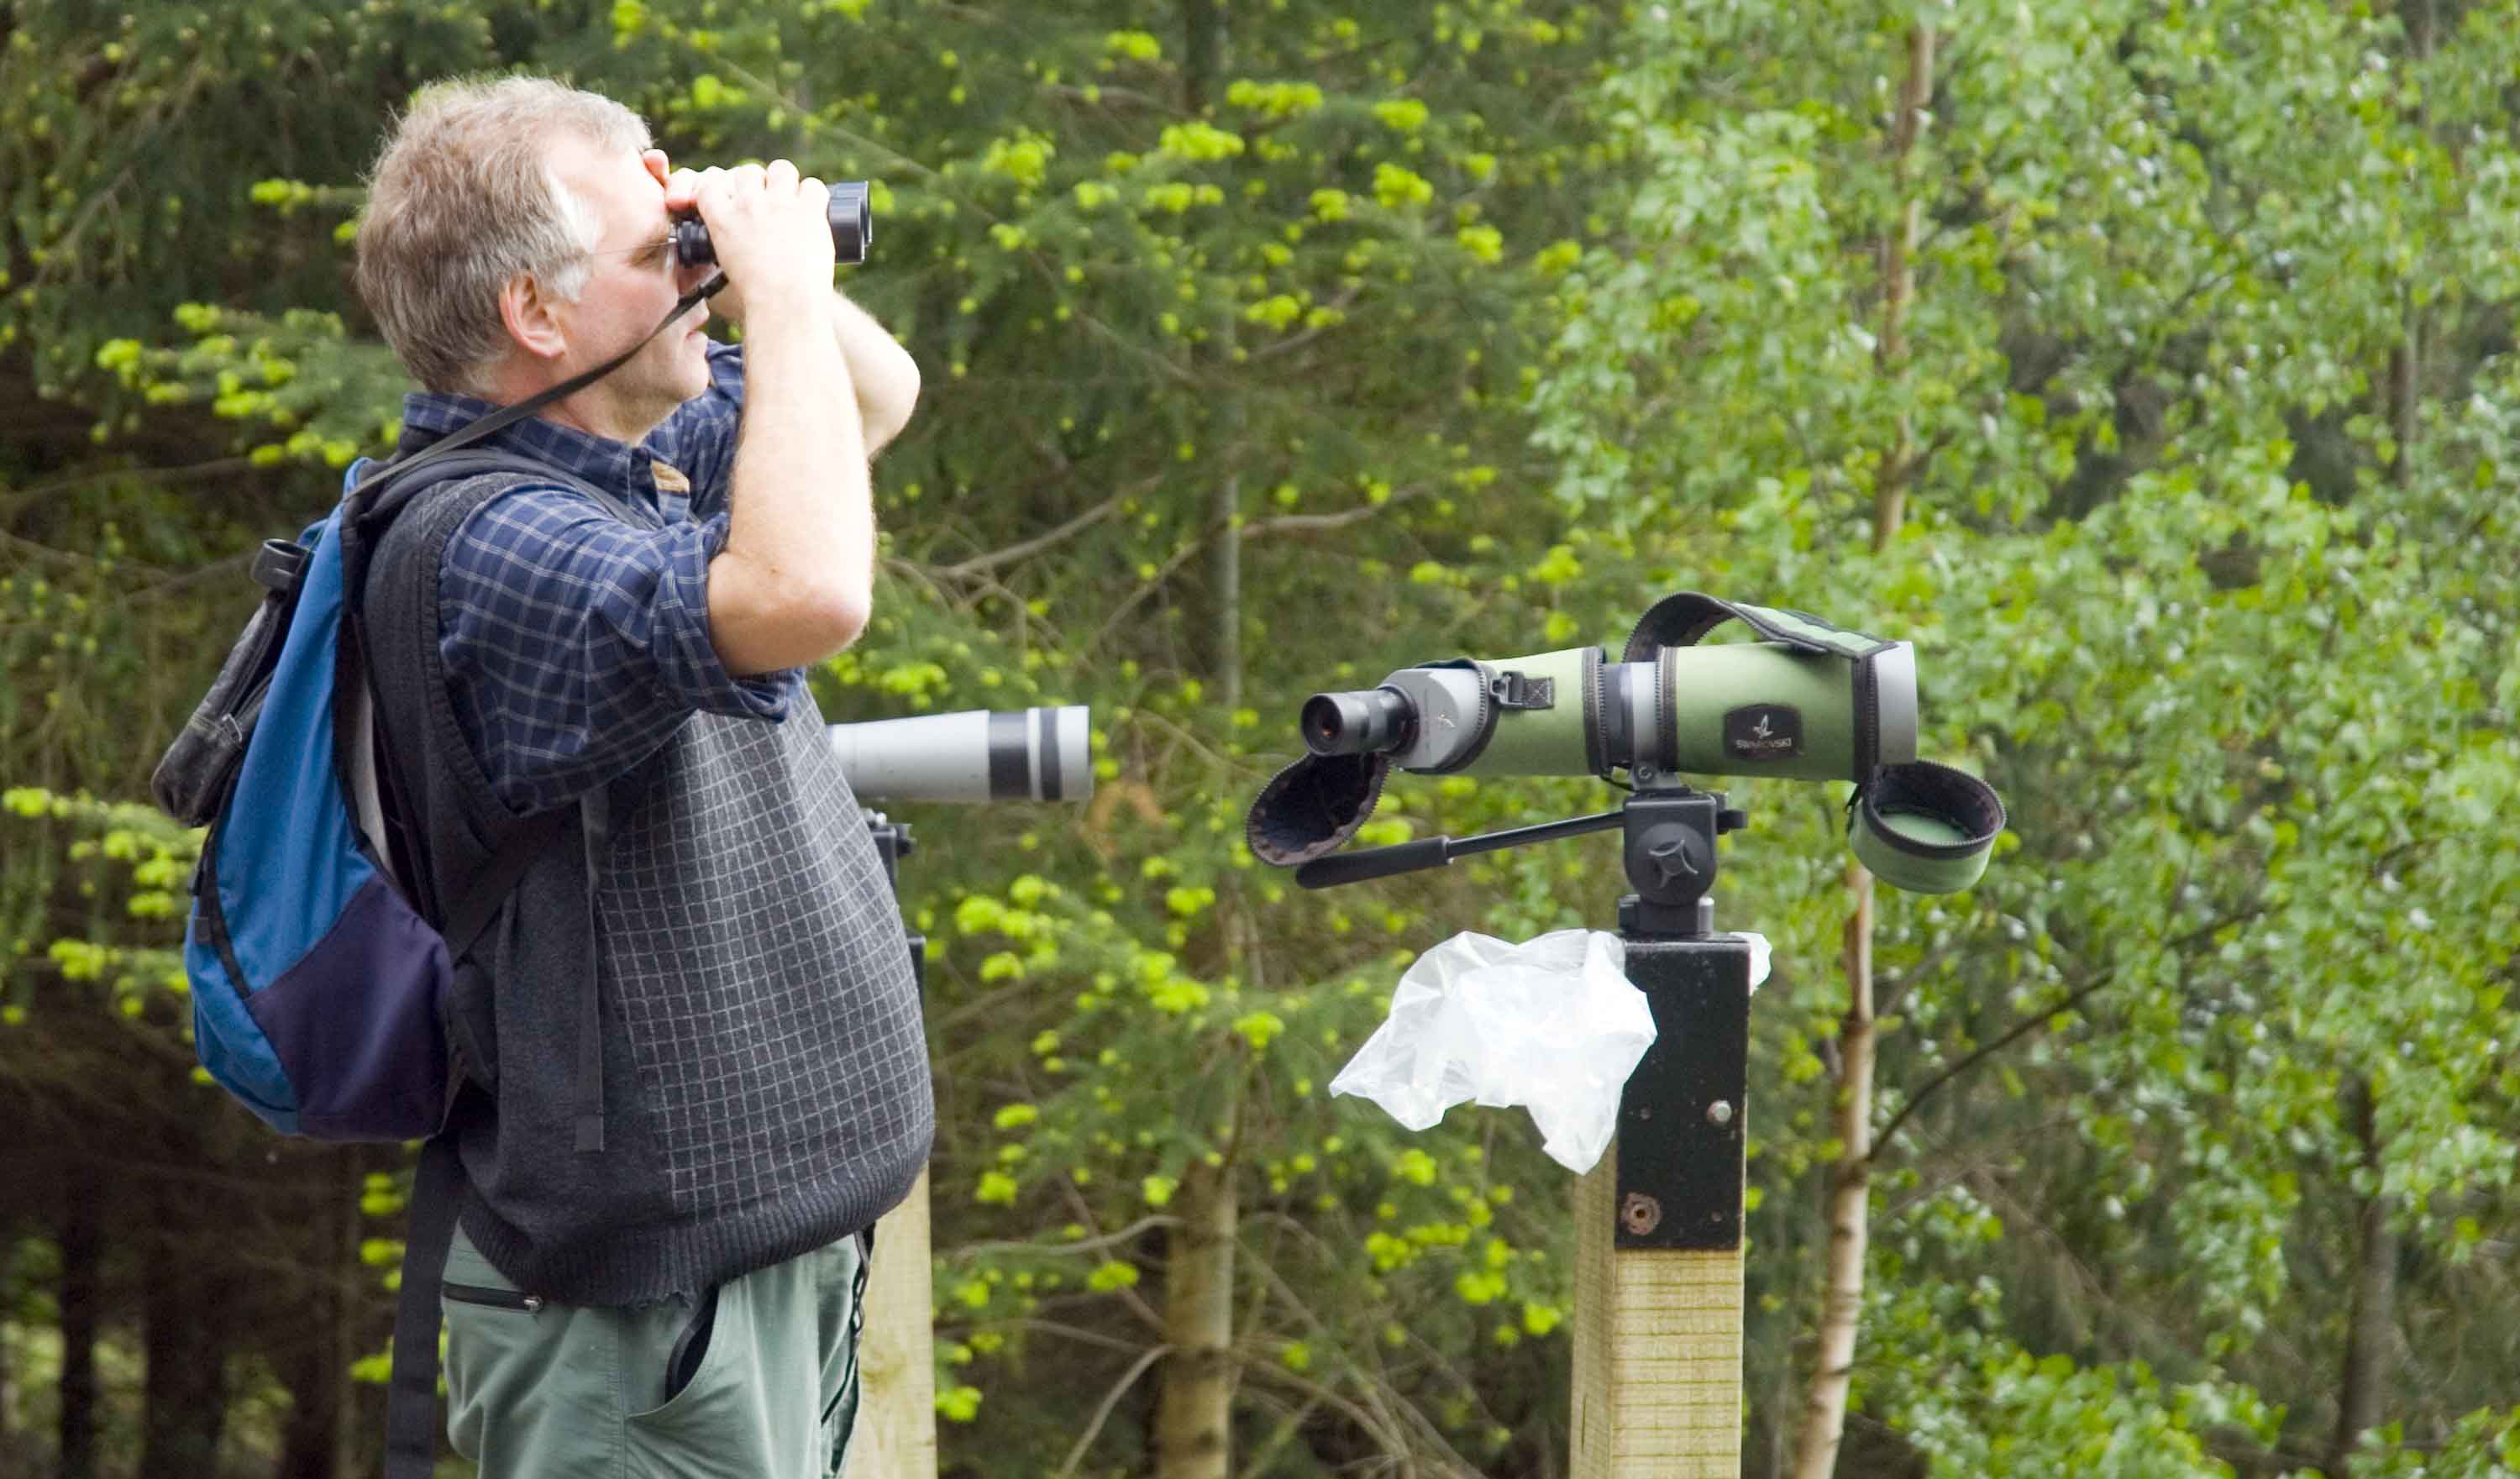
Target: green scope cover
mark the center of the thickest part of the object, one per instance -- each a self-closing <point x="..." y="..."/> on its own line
<point x="1924" y="827"/>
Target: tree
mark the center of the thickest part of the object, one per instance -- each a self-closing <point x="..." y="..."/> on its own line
<point x="2146" y="338"/>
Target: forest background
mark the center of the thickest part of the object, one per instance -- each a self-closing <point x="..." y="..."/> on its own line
<point x="2148" y="363"/>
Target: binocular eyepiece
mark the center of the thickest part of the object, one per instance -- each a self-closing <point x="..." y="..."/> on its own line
<point x="852" y="229"/>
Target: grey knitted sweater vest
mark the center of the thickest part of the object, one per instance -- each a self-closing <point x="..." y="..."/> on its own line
<point x="765" y="1078"/>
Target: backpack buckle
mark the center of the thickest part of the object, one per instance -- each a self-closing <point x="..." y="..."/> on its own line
<point x="279" y="564"/>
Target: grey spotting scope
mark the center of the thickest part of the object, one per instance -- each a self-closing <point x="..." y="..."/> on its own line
<point x="1035" y="754"/>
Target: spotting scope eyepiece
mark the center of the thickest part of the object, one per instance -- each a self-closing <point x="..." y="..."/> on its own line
<point x="1036" y="755"/>
<point x="1365" y="722"/>
<point x="852" y="229"/>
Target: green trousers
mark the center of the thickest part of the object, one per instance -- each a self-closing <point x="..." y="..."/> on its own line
<point x="757" y="1380"/>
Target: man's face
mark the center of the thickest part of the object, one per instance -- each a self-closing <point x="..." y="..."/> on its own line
<point x="633" y="283"/>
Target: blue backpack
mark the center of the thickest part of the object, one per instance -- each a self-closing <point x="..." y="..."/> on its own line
<point x="316" y="978"/>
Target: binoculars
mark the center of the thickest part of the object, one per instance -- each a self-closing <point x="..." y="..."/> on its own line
<point x="852" y="229"/>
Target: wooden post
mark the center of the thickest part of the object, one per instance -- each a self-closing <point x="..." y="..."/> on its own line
<point x="1657" y="1353"/>
<point x="896" y="1430"/>
<point x="895" y="1437"/>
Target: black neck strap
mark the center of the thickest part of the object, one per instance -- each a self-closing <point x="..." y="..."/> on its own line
<point x="510" y="415"/>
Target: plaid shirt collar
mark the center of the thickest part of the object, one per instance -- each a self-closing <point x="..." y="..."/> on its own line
<point x="613" y="466"/>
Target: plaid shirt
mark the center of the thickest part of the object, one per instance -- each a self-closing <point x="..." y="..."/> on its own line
<point x="576" y="644"/>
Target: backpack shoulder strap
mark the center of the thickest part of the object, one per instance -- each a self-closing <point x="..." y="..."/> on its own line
<point x="472" y="913"/>
<point x="410" y="1397"/>
<point x="384" y="495"/>
<point x="472" y="478"/>
<point x="392" y="622"/>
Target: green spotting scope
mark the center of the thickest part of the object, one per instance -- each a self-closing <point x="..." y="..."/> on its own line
<point x="1806" y="700"/>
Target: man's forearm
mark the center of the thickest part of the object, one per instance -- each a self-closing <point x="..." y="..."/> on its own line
<point x="793" y="582"/>
<point x="886" y="376"/>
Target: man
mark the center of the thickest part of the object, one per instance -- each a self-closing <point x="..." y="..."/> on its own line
<point x="691" y="1036"/>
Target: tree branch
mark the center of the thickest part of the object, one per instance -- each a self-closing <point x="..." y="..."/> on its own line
<point x="2016" y="1033"/>
<point x="1130" y="1299"/>
<point x="2028" y="1024"/>
<point x="981" y="565"/>
<point x="1147" y="588"/>
<point x="1086" y="1245"/>
<point x="1313" y="523"/>
<point x="1111" y="1400"/>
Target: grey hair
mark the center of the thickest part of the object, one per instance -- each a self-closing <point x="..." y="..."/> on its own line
<point x="463" y="199"/>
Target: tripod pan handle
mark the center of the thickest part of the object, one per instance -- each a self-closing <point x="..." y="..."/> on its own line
<point x="1375" y="863"/>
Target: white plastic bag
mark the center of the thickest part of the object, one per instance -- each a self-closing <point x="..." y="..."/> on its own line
<point x="1553" y="1025"/>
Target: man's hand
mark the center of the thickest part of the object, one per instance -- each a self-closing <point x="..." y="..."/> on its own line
<point x="772" y="233"/>
<point x="882" y="377"/>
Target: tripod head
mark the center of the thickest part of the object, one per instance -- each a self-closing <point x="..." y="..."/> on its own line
<point x="969" y="756"/>
<point x="1669" y="853"/>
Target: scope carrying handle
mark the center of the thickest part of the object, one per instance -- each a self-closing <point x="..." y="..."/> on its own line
<point x="1682" y="619"/>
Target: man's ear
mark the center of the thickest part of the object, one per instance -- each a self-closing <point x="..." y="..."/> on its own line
<point x="533" y="317"/>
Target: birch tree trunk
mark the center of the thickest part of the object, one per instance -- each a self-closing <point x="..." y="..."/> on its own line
<point x="1193" y="1416"/>
<point x="1204" y="26"/>
<point x="1850" y="1181"/>
<point x="1850" y="1193"/>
